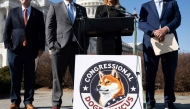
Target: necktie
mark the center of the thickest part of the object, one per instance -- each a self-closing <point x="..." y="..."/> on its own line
<point x="70" y="11"/>
<point x="159" y="8"/>
<point x="25" y="23"/>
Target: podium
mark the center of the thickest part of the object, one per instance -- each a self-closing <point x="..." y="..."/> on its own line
<point x="98" y="78"/>
<point x="121" y="26"/>
<point x="108" y="29"/>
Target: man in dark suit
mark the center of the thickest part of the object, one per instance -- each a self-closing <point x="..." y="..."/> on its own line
<point x="64" y="42"/>
<point x="24" y="38"/>
<point x="158" y="18"/>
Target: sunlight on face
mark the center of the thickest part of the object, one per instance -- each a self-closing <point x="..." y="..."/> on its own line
<point x="69" y="0"/>
<point x="25" y="2"/>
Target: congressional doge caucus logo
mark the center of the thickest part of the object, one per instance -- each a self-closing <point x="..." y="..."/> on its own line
<point x="109" y="85"/>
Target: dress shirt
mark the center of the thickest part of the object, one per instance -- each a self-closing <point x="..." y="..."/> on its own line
<point x="161" y="5"/>
<point x="28" y="11"/>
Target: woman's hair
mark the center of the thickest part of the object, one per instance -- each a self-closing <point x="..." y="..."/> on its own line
<point x="117" y="2"/>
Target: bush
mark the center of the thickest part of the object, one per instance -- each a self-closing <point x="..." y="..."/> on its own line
<point x="44" y="74"/>
<point x="182" y="78"/>
<point x="4" y="80"/>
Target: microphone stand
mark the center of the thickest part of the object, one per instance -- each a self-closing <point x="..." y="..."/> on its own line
<point x="135" y="31"/>
<point x="135" y="28"/>
<point x="135" y="52"/>
<point x="81" y="30"/>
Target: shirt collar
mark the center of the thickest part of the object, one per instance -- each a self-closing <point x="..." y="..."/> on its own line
<point x="156" y="1"/>
<point x="28" y="9"/>
<point x="66" y="3"/>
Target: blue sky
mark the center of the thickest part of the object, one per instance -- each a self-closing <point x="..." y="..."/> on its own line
<point x="182" y="31"/>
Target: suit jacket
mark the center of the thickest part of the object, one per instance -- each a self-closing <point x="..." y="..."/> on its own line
<point x="15" y="30"/>
<point x="59" y="28"/>
<point x="150" y="21"/>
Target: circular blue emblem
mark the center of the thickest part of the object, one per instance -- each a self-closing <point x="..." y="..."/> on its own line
<point x="109" y="84"/>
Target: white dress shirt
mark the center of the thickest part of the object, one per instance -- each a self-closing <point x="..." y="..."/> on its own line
<point x="161" y="5"/>
<point x="28" y="11"/>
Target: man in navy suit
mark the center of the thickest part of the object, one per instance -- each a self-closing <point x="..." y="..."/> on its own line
<point x="24" y="38"/>
<point x="158" y="18"/>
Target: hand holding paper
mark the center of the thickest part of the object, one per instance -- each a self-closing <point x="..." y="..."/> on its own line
<point x="168" y="45"/>
<point x="160" y="33"/>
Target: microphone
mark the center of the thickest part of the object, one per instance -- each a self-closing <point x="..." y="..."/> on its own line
<point x="128" y="14"/>
<point x="123" y="11"/>
<point x="120" y="8"/>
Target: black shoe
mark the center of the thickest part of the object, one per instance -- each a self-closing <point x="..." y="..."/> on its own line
<point x="148" y="106"/>
<point x="170" y="107"/>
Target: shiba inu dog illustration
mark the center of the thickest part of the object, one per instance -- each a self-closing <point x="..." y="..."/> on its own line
<point x="109" y="87"/>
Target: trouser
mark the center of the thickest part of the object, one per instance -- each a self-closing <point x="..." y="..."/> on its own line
<point x="169" y="64"/>
<point x="19" y="64"/>
<point x="61" y="59"/>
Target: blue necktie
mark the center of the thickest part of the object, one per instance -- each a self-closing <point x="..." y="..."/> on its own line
<point x="70" y="11"/>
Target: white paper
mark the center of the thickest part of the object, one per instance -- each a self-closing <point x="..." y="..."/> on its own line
<point x="168" y="45"/>
<point x="36" y="63"/>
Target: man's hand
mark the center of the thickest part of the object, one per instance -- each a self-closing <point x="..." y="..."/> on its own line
<point x="160" y="33"/>
<point x="156" y="33"/>
<point x="40" y="52"/>
<point x="161" y="39"/>
<point x="163" y="31"/>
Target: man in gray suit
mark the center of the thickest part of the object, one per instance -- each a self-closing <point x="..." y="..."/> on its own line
<point x="64" y="42"/>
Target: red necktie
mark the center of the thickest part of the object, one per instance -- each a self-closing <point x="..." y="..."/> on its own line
<point x="25" y="22"/>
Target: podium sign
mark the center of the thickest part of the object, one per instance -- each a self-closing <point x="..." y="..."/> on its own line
<point x="108" y="82"/>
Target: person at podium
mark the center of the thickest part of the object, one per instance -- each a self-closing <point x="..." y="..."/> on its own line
<point x="109" y="43"/>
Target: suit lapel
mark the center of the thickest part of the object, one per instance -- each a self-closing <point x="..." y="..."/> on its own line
<point x="76" y="14"/>
<point x="65" y="12"/>
<point x="165" y="5"/>
<point x="77" y="11"/>
<point x="21" y="16"/>
<point x="153" y="7"/>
